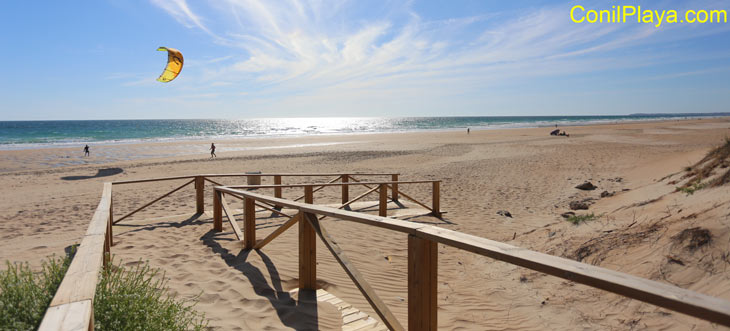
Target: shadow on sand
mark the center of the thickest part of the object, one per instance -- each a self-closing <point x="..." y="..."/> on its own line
<point x="100" y="173"/>
<point x="300" y="315"/>
<point x="194" y="219"/>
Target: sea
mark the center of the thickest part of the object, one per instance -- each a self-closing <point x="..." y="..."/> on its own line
<point x="48" y="134"/>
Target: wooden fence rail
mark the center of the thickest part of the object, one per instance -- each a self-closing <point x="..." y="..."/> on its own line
<point x="381" y="187"/>
<point x="422" y="266"/>
<point x="72" y="305"/>
<point x="199" y="181"/>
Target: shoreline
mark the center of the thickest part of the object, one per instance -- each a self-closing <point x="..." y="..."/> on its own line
<point x="64" y="157"/>
<point x="226" y="138"/>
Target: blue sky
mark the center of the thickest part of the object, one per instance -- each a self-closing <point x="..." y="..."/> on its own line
<point x="247" y="58"/>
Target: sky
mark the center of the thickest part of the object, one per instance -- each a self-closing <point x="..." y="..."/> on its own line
<point x="97" y="59"/>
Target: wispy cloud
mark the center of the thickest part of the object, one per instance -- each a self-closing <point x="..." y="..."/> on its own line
<point x="296" y="50"/>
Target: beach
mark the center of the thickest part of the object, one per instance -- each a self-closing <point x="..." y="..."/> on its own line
<point x="50" y="194"/>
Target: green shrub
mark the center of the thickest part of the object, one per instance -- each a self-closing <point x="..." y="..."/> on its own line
<point x="25" y="296"/>
<point x="137" y="299"/>
<point x="577" y="219"/>
<point x="126" y="299"/>
<point x="691" y="189"/>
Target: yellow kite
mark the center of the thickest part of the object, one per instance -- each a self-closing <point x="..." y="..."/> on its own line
<point x="174" y="64"/>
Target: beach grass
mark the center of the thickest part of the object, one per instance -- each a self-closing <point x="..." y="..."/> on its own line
<point x="135" y="298"/>
<point x="577" y="219"/>
<point x="138" y="298"/>
<point x="25" y="295"/>
<point x="692" y="188"/>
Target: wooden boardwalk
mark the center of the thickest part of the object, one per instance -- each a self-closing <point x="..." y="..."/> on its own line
<point x="352" y="318"/>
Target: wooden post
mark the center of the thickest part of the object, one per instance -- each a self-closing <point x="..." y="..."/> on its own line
<point x="394" y="194"/>
<point x="383" y="205"/>
<point x="217" y="211"/>
<point x="111" y="221"/>
<point x="345" y="188"/>
<point x="108" y="241"/>
<point x="249" y="223"/>
<point x="277" y="190"/>
<point x="308" y="194"/>
<point x="307" y="248"/>
<point x="436" y="200"/>
<point x="422" y="283"/>
<point x="199" y="191"/>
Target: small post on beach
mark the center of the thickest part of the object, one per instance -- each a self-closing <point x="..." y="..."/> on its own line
<point x="307" y="248"/>
<point x="345" y="188"/>
<point x="394" y="194"/>
<point x="436" y="200"/>
<point x="422" y="287"/>
<point x="109" y="241"/>
<point x="217" y="211"/>
<point x="277" y="190"/>
<point x="249" y="223"/>
<point x="111" y="221"/>
<point x="383" y="204"/>
<point x="308" y="194"/>
<point x="107" y="247"/>
<point x="199" y="191"/>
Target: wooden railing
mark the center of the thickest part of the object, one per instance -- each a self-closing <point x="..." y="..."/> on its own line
<point x="200" y="180"/>
<point x="423" y="255"/>
<point x="72" y="306"/>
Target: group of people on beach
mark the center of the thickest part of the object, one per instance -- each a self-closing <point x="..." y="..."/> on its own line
<point x="557" y="132"/>
<point x="212" y="151"/>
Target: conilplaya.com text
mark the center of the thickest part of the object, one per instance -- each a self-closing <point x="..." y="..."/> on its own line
<point x="657" y="17"/>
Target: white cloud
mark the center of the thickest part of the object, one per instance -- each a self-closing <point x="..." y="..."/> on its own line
<point x="296" y="51"/>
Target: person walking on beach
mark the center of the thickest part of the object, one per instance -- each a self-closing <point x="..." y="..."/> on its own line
<point x="86" y="150"/>
<point x="468" y="130"/>
<point x="212" y="150"/>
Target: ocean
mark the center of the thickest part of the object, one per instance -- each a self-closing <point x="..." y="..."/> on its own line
<point x="45" y="134"/>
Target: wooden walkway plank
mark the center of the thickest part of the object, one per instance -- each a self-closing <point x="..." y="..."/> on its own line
<point x="352" y="318"/>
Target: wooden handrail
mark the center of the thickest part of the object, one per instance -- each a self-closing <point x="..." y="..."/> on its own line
<point x="136" y="181"/>
<point x="333" y="184"/>
<point x="695" y="304"/>
<point x="71" y="307"/>
<point x="246" y="175"/>
<point x="298" y="174"/>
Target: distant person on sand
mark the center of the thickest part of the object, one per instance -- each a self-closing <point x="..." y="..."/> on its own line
<point x="86" y="150"/>
<point x="468" y="130"/>
<point x="212" y="150"/>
